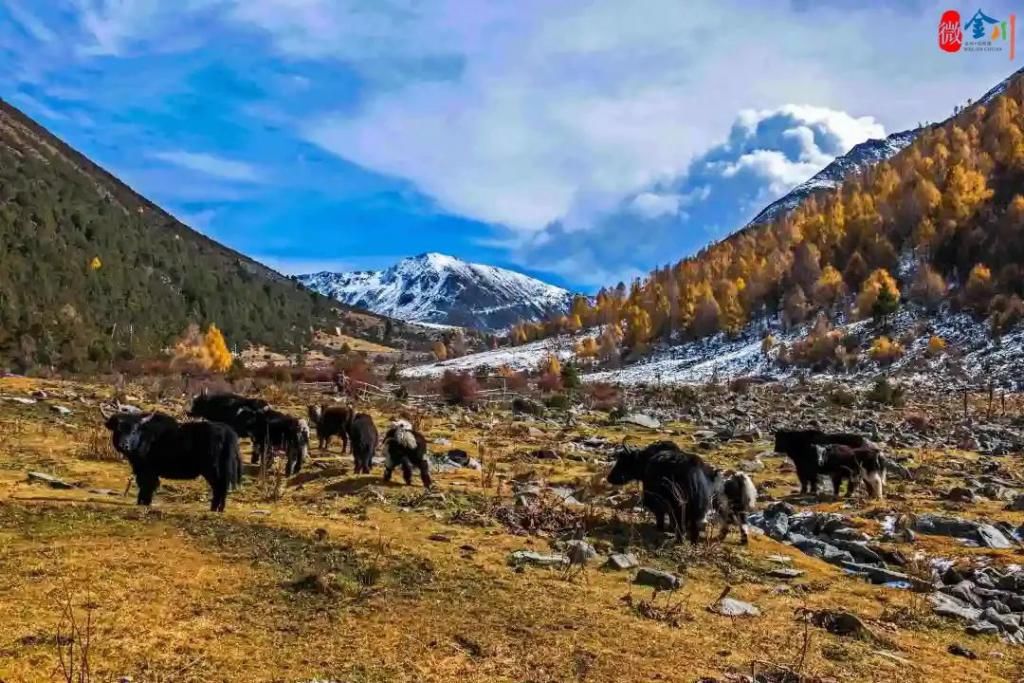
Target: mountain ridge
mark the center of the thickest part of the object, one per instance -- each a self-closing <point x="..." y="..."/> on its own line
<point x="439" y="289"/>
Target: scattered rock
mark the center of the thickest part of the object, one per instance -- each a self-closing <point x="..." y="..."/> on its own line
<point x="751" y="465"/>
<point x="656" y="578"/>
<point x="640" y="420"/>
<point x="961" y="494"/>
<point x="1017" y="504"/>
<point x="948" y="606"/>
<point x="622" y="561"/>
<point x="991" y="537"/>
<point x="731" y="607"/>
<point x="440" y="538"/>
<point x="61" y="410"/>
<point x="50" y="480"/>
<point x="841" y="623"/>
<point x="522" y="557"/>
<point x="786" y="573"/>
<point x="579" y="552"/>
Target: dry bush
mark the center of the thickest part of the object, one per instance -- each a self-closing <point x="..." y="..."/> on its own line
<point x="74" y="640"/>
<point x="603" y="396"/>
<point x="458" y="388"/>
<point x="936" y="346"/>
<point x="822" y="349"/>
<point x="885" y="351"/>
<point x="549" y="382"/>
<point x="1007" y="312"/>
<point x="357" y="371"/>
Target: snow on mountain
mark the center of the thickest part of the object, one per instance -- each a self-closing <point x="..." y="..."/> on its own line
<point x="438" y="289"/>
<point x="860" y="157"/>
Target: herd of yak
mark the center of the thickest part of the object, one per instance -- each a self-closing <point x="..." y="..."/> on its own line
<point x="678" y="487"/>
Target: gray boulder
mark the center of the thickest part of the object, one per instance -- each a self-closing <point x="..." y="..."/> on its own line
<point x="656" y="578"/>
<point x="622" y="561"/>
<point x="948" y="606"/>
<point x="522" y="557"/>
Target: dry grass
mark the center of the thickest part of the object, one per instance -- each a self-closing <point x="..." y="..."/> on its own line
<point x="325" y="580"/>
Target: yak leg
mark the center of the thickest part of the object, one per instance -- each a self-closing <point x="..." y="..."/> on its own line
<point x="425" y="474"/>
<point x="147" y="487"/>
<point x="741" y="519"/>
<point x="407" y="471"/>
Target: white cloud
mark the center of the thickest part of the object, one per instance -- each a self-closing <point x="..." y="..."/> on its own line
<point x="32" y="25"/>
<point x="211" y="165"/>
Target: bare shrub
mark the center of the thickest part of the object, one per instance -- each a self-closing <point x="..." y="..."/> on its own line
<point x="549" y="382"/>
<point x="73" y="640"/>
<point x="97" y="445"/>
<point x="603" y="396"/>
<point x="459" y="388"/>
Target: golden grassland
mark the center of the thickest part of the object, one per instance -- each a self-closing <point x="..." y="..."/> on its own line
<point x="344" y="578"/>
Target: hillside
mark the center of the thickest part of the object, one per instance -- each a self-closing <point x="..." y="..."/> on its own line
<point x="93" y="272"/>
<point x="439" y="289"/>
<point x="939" y="224"/>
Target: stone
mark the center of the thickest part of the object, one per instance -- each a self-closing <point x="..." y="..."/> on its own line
<point x="963" y="591"/>
<point x="50" y="480"/>
<point x="981" y="628"/>
<point x="948" y="606"/>
<point x="959" y="650"/>
<point x="937" y="525"/>
<point x="1017" y="504"/>
<point x="622" y="561"/>
<point x="960" y="494"/>
<point x="991" y="537"/>
<point x="883" y="575"/>
<point x="656" y="578"/>
<point x="751" y="465"/>
<point x="640" y="420"/>
<point x="61" y="410"/>
<point x="579" y="552"/>
<point x="1010" y="623"/>
<point x="785" y="573"/>
<point x="859" y="551"/>
<point x="522" y="557"/>
<point x="731" y="607"/>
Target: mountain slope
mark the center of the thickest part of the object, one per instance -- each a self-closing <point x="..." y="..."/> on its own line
<point x="859" y="158"/>
<point x="439" y="289"/>
<point x="93" y="272"/>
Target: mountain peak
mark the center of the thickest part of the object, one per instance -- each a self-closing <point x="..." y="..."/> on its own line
<point x="441" y="289"/>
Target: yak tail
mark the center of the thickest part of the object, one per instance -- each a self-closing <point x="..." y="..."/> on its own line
<point x="234" y="463"/>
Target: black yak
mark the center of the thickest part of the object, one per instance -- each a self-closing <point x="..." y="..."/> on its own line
<point x="363" y="435"/>
<point x="841" y="463"/>
<point x="272" y="430"/>
<point x="331" y="421"/>
<point x="231" y="409"/>
<point x="406" y="448"/>
<point x="800" y="446"/>
<point x="156" y="447"/>
<point x="734" y="497"/>
<point x="675" y="485"/>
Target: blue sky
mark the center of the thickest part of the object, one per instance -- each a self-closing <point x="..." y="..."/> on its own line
<point x="581" y="141"/>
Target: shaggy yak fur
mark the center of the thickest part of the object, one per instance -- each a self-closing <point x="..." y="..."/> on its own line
<point x="841" y="463"/>
<point x="363" y="435"/>
<point x="156" y="447"/>
<point x="230" y="409"/>
<point x="331" y="421"/>
<point x="675" y="485"/>
<point x="406" y="448"/>
<point x="271" y="431"/>
<point x="734" y="497"/>
<point x="800" y="446"/>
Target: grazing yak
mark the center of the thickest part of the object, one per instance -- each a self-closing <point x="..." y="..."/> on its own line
<point x="801" y="447"/>
<point x="272" y="430"/>
<point x="675" y="485"/>
<point x="363" y="435"/>
<point x="734" y="497"/>
<point x="406" y="448"/>
<point x="230" y="409"/>
<point x="331" y="421"/>
<point x="865" y="463"/>
<point x="157" y="446"/>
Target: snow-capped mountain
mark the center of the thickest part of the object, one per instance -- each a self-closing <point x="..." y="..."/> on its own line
<point x="439" y="289"/>
<point x="859" y="158"/>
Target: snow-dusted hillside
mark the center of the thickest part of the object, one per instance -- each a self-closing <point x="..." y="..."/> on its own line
<point x="439" y="289"/>
<point x="978" y="356"/>
<point x="860" y="157"/>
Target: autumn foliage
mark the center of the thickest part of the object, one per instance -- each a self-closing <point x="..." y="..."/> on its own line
<point x="196" y="351"/>
<point x="948" y="199"/>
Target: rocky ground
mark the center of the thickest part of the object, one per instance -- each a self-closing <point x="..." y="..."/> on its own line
<point x="523" y="564"/>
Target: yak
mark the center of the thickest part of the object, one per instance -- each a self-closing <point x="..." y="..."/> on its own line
<point x="675" y="485"/>
<point x="406" y="448"/>
<point x="800" y="446"/>
<point x="157" y="446"/>
<point x="272" y="430"/>
<point x="733" y="498"/>
<point x="841" y="463"/>
<point x="363" y="435"/>
<point x="331" y="421"/>
<point x="230" y="409"/>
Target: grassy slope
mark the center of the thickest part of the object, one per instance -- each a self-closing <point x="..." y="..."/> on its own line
<point x="184" y="595"/>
